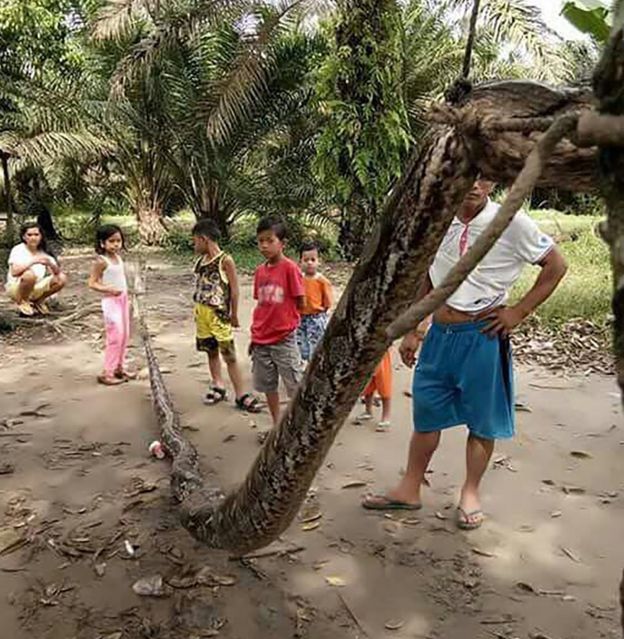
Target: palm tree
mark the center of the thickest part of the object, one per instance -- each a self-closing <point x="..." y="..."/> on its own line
<point x="41" y="125"/>
<point x="223" y="76"/>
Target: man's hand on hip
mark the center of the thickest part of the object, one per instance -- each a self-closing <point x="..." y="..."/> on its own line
<point x="502" y="320"/>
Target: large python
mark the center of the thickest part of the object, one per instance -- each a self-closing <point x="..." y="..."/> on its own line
<point x="383" y="284"/>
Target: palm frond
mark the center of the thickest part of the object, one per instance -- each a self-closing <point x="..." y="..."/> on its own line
<point x="173" y="21"/>
<point x="519" y="25"/>
<point x="48" y="147"/>
<point x="117" y="17"/>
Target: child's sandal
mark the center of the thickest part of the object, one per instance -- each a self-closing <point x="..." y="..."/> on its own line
<point x="215" y="395"/>
<point x="109" y="381"/>
<point x="125" y="375"/>
<point x="248" y="403"/>
<point x="363" y="417"/>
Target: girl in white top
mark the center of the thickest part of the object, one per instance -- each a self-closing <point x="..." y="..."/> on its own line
<point x="33" y="274"/>
<point x="108" y="277"/>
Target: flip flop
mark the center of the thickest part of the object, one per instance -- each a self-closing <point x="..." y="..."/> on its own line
<point x="463" y="518"/>
<point x="381" y="502"/>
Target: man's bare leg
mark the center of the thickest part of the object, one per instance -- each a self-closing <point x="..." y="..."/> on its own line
<point x="422" y="447"/>
<point x="478" y="454"/>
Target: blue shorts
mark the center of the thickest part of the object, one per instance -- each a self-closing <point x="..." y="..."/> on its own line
<point x="464" y="377"/>
<point x="310" y="333"/>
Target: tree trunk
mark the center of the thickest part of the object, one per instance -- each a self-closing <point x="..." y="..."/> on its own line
<point x="356" y="225"/>
<point x="608" y="91"/>
<point x="383" y="285"/>
<point x="151" y="228"/>
<point x="10" y="224"/>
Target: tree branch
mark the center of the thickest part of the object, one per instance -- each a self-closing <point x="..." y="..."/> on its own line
<point x="520" y="190"/>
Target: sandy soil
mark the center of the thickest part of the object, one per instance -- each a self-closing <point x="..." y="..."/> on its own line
<point x="78" y="483"/>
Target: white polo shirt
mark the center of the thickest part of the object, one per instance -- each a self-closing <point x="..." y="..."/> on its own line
<point x="489" y="283"/>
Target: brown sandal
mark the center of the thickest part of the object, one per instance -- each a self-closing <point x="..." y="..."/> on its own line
<point x="109" y="381"/>
<point x="125" y="375"/>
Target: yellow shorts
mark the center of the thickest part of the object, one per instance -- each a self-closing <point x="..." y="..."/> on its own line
<point x="40" y="288"/>
<point x="212" y="332"/>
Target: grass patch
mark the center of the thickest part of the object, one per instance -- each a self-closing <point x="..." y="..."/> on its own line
<point x="586" y="290"/>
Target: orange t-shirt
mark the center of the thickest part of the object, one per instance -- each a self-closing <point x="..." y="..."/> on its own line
<point x="318" y="295"/>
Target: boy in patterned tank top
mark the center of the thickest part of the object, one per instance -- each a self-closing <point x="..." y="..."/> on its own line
<point x="216" y="314"/>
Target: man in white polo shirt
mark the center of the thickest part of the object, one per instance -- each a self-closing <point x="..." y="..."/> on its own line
<point x="464" y="373"/>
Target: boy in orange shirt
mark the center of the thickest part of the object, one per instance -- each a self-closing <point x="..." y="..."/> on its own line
<point x="318" y="300"/>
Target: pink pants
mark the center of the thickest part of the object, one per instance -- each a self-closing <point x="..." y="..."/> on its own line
<point x="116" y="311"/>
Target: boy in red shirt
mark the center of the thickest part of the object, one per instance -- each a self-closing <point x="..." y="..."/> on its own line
<point x="279" y="292"/>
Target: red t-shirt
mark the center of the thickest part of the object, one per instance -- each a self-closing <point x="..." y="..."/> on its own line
<point x="276" y="288"/>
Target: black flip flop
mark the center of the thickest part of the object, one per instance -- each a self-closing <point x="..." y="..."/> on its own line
<point x="385" y="503"/>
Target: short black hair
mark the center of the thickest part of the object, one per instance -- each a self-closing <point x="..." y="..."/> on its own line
<point x="308" y="245"/>
<point x="103" y="233"/>
<point x="206" y="228"/>
<point x="275" y="224"/>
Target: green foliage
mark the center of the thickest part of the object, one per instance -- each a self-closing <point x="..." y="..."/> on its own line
<point x="37" y="35"/>
<point x="586" y="290"/>
<point x="590" y="16"/>
<point x="77" y="225"/>
<point x="364" y="140"/>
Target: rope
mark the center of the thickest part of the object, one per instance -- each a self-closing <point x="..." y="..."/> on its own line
<point x="463" y="86"/>
<point x="472" y="32"/>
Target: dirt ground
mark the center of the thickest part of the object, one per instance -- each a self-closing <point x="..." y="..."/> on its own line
<point x="86" y="512"/>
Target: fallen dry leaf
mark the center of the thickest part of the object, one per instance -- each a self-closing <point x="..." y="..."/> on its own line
<point x="394" y="624"/>
<point x="356" y="483"/>
<point x="149" y="586"/>
<point x="410" y="521"/>
<point x="483" y="553"/>
<point x="337" y="582"/>
<point x="573" y="490"/>
<point x="556" y="513"/>
<point x="313" y="525"/>
<point x="580" y="454"/>
<point x="526" y="587"/>
<point x="570" y="554"/>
